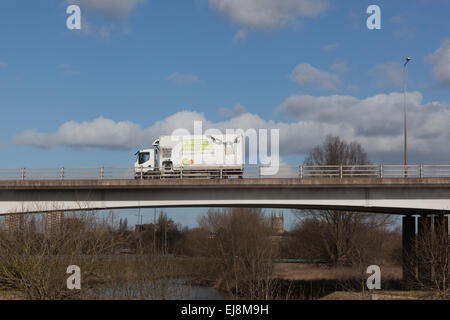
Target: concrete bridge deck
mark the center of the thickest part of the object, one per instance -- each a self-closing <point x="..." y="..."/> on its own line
<point x="226" y="183"/>
<point x="387" y="195"/>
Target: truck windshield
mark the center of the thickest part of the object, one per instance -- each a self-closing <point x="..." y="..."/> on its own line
<point x="144" y="157"/>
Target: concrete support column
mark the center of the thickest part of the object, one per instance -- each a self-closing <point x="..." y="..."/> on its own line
<point x="408" y="250"/>
<point x="424" y="242"/>
<point x="441" y="227"/>
<point x="441" y="241"/>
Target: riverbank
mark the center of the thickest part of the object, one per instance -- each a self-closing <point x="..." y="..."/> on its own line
<point x="301" y="271"/>
<point x="386" y="295"/>
<point x="10" y="295"/>
<point x="158" y="278"/>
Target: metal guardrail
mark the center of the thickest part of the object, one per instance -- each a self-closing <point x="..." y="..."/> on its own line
<point x="250" y="171"/>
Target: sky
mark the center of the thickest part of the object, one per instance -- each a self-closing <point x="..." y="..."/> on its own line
<point x="138" y="69"/>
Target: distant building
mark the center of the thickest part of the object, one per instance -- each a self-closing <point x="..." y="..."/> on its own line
<point x="14" y="222"/>
<point x="211" y="236"/>
<point x="144" y="227"/>
<point x="154" y="227"/>
<point x="55" y="222"/>
<point x="277" y="223"/>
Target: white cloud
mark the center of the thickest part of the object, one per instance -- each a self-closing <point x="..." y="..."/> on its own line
<point x="102" y="31"/>
<point x="106" y="133"/>
<point x="352" y="88"/>
<point x="306" y="75"/>
<point x="101" y="132"/>
<point x="331" y="46"/>
<point x="267" y="14"/>
<point x="90" y="29"/>
<point x="181" y="78"/>
<point x="397" y="19"/>
<point x="235" y="111"/>
<point x="115" y="9"/>
<point x="340" y="66"/>
<point x="387" y="76"/>
<point x="240" y="36"/>
<point x="441" y="63"/>
<point x="401" y="29"/>
<point x="405" y="33"/>
<point x="366" y="116"/>
<point x="376" y="122"/>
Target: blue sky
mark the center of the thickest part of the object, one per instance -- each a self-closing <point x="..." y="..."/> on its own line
<point x="309" y="68"/>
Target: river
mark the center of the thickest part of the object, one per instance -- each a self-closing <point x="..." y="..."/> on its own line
<point x="161" y="290"/>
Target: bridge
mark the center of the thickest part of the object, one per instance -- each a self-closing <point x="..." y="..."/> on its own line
<point x="413" y="189"/>
<point x="419" y="190"/>
<point x="388" y="195"/>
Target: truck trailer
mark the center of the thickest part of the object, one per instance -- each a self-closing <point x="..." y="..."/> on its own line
<point x="192" y="156"/>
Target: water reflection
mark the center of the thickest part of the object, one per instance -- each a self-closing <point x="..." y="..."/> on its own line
<point x="161" y="290"/>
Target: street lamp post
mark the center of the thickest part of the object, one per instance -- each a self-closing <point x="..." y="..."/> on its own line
<point x="404" y="117"/>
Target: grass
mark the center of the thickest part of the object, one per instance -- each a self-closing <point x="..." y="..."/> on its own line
<point x="10" y="295"/>
<point x="299" y="271"/>
<point x="296" y="281"/>
<point x="384" y="295"/>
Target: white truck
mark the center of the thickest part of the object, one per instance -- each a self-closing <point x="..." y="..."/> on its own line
<point x="192" y="156"/>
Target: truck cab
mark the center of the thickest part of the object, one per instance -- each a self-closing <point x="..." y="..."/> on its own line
<point x="146" y="162"/>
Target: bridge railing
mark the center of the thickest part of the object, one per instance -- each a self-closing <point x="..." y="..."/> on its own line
<point x="249" y="171"/>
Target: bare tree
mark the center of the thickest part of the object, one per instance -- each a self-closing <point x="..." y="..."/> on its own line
<point x="242" y="244"/>
<point x="433" y="255"/>
<point x="340" y="230"/>
<point x="335" y="151"/>
<point x="34" y="262"/>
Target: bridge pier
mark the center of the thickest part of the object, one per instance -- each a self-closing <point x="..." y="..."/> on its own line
<point x="424" y="246"/>
<point x="425" y="256"/>
<point x="408" y="250"/>
<point x="441" y="265"/>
